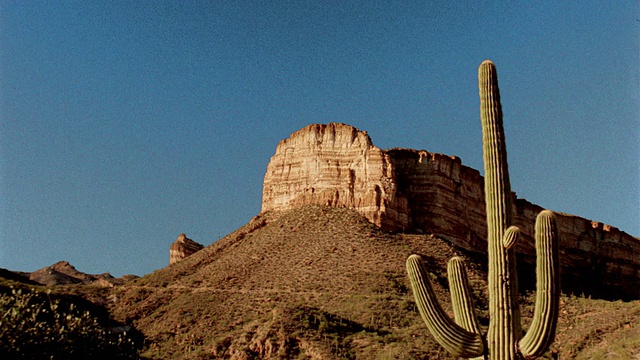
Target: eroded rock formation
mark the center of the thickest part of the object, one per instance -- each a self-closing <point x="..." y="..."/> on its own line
<point x="182" y="248"/>
<point x="414" y="190"/>
<point x="334" y="165"/>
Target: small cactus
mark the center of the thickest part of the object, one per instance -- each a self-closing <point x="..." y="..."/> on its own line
<point x="504" y="339"/>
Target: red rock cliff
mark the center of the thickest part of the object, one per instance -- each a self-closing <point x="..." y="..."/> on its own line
<point x="404" y="189"/>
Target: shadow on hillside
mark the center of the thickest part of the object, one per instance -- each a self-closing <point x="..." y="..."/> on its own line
<point x="589" y="284"/>
<point x="311" y="318"/>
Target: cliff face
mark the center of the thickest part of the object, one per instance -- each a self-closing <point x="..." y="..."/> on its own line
<point x="334" y="165"/>
<point x="411" y="190"/>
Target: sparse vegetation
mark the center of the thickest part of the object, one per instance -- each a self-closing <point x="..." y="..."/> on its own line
<point x="36" y="324"/>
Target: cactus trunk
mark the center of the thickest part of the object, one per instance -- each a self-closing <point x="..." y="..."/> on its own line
<point x="504" y="328"/>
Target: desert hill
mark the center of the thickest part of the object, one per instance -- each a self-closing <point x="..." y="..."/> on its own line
<point x="324" y="283"/>
<point x="316" y="280"/>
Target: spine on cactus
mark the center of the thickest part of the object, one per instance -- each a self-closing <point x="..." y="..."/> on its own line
<point x="454" y="338"/>
<point x="504" y="327"/>
<point x="545" y="317"/>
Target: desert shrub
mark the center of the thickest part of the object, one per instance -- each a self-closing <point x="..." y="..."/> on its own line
<point x="36" y="325"/>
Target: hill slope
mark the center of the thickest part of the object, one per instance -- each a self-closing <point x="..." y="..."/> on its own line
<point x="317" y="280"/>
<point x="323" y="283"/>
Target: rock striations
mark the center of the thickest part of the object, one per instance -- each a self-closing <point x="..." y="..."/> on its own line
<point x="335" y="165"/>
<point x="182" y="248"/>
<point x="414" y="190"/>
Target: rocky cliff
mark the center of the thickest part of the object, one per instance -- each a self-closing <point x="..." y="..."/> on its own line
<point x="183" y="247"/>
<point x="414" y="190"/>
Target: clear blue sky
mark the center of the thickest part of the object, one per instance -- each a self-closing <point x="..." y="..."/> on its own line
<point x="126" y="123"/>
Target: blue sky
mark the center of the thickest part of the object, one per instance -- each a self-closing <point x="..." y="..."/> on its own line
<point x="126" y="123"/>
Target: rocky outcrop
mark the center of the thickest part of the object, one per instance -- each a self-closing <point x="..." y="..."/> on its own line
<point x="334" y="165"/>
<point x="415" y="190"/>
<point x="182" y="248"/>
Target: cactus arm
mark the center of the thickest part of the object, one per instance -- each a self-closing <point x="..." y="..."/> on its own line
<point x="464" y="312"/>
<point x="461" y="298"/>
<point x="545" y="318"/>
<point x="456" y="340"/>
<point x="504" y="327"/>
<point x="510" y="237"/>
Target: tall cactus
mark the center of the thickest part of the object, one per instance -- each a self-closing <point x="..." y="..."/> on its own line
<point x="504" y="338"/>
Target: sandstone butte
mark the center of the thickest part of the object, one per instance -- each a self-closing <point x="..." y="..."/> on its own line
<point x="182" y="248"/>
<point x="415" y="190"/>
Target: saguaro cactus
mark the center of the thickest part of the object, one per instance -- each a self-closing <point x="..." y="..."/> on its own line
<point x="504" y="338"/>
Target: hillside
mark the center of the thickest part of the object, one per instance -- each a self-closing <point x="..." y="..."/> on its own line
<point x="38" y="323"/>
<point x="318" y="280"/>
<point x="324" y="283"/>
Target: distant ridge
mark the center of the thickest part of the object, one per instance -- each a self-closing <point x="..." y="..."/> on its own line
<point x="63" y="273"/>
